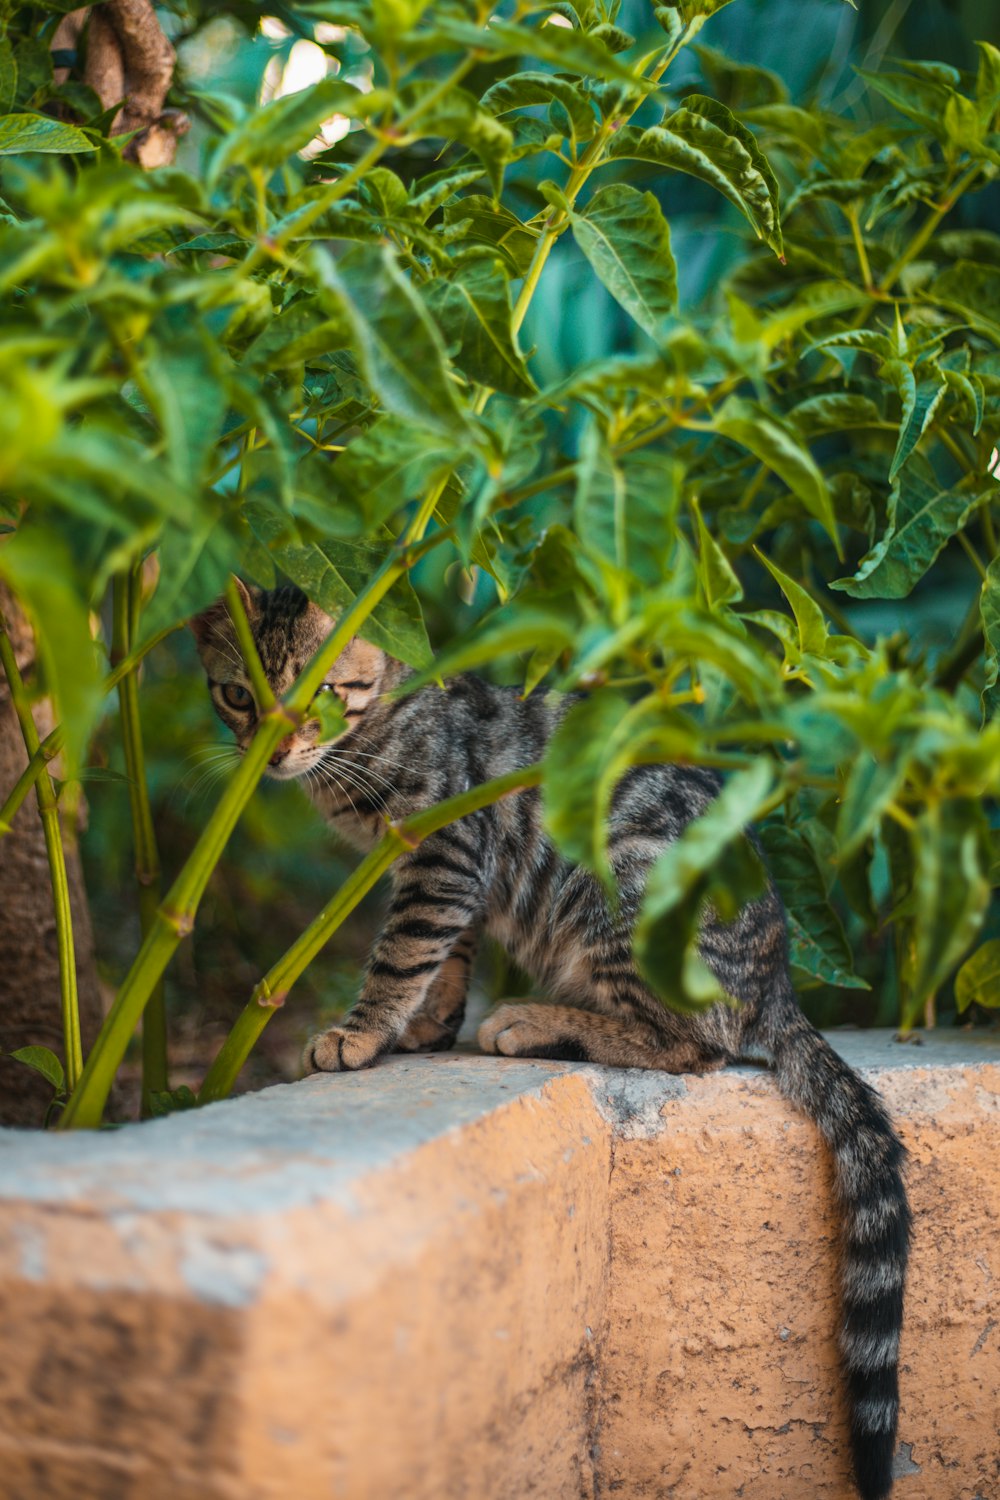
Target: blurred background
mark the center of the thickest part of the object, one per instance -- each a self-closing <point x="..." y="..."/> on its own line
<point x="282" y="863"/>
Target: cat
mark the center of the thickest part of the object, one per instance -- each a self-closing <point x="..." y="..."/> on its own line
<point x="497" y="872"/>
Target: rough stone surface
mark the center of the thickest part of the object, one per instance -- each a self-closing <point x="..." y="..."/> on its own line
<point x="471" y="1277"/>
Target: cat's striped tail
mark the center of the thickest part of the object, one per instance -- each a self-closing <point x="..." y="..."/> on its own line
<point x="868" y="1157"/>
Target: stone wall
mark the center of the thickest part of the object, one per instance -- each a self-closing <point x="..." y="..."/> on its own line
<point x="467" y="1278"/>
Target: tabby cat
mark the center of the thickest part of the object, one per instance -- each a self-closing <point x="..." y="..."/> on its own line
<point x="497" y="872"/>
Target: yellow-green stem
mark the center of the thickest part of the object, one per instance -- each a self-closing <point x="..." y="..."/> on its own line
<point x="48" y="808"/>
<point x="273" y="989"/>
<point x="248" y="648"/>
<point x="47" y="750"/>
<point x="125" y="620"/>
<point x="928" y="227"/>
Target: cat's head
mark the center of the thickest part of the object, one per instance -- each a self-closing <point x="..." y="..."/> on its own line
<point x="287" y="630"/>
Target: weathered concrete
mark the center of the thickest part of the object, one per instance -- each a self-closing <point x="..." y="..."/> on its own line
<point x="479" y="1278"/>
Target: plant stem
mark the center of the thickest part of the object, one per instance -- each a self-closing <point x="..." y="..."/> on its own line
<point x="972" y="555"/>
<point x="851" y="214"/>
<point x="559" y="218"/>
<point x="48" y="808"/>
<point x="125" y="619"/>
<point x="273" y="989"/>
<point x="47" y="750"/>
<point x="248" y="648"/>
<point x="928" y="227"/>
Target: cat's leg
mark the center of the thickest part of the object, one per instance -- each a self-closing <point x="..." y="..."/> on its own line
<point x="436" y="899"/>
<point x="438" y="1021"/>
<point x="564" y="1031"/>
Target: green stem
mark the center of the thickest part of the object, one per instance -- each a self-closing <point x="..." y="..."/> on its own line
<point x="47" y="750"/>
<point x="48" y="808"/>
<point x="928" y="228"/>
<point x="972" y="555"/>
<point x="273" y="989"/>
<point x="851" y="214"/>
<point x="248" y="647"/>
<point x="175" y="917"/>
<point x="559" y="218"/>
<point x="125" y="620"/>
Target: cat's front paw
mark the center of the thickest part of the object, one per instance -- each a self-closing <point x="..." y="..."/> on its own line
<point x="507" y="1030"/>
<point x="341" y="1050"/>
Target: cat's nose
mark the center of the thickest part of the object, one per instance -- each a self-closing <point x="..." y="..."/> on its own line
<point x="279" y="755"/>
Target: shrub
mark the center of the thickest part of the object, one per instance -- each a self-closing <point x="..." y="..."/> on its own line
<point x="307" y="356"/>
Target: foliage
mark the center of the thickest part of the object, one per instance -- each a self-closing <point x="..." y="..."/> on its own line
<point x="321" y="366"/>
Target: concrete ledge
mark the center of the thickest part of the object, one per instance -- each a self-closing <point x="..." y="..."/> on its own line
<point x="471" y="1277"/>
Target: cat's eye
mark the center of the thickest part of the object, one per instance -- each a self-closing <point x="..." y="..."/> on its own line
<point x="236" y="696"/>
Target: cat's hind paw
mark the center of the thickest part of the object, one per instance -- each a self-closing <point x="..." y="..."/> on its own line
<point x="341" y="1050"/>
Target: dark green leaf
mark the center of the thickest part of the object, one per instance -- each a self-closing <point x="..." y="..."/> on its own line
<point x="33" y="133"/>
<point x="473" y="311"/>
<point x="44" y="1061"/>
<point x="780" y="449"/>
<point x="923" y="517"/>
<point x="979" y="978"/>
<point x="396" y="341"/>
<point x="625" y="237"/>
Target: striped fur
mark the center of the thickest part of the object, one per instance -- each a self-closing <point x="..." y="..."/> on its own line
<point x="497" y="872"/>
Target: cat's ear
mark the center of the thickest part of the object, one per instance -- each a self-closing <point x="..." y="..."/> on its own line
<point x="214" y="621"/>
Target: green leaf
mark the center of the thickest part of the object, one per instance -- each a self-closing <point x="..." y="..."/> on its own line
<point x="579" y="779"/>
<point x="508" y="631"/>
<point x="626" y="239"/>
<point x="396" y="340"/>
<point x="973" y="291"/>
<point x="719" y="583"/>
<point x="694" y="142"/>
<point x="41" y="570"/>
<point x="333" y="573"/>
<point x="37" y="133"/>
<point x="819" y="949"/>
<point x="809" y="618"/>
<point x="989" y="611"/>
<point x="44" y="1061"/>
<point x="394" y="462"/>
<point x="331" y="711"/>
<point x="923" y="99"/>
<point x="780" y="449"/>
<point x="950" y="893"/>
<point x="184" y="378"/>
<point x="871" y="785"/>
<point x="268" y="137"/>
<point x="521" y="90"/>
<point x="458" y="116"/>
<point x="923" y="516"/>
<point x="492" y="224"/>
<point x="8" y="76"/>
<point x="473" y="311"/>
<point x="195" y="564"/>
<point x="570" y="51"/>
<point x="835" y="412"/>
<point x="988" y="83"/>
<point x="680" y="882"/>
<point x="919" y="402"/>
<point x="979" y="977"/>
<point x="730" y="125"/>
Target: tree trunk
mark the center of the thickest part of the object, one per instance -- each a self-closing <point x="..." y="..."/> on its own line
<point x="29" y="965"/>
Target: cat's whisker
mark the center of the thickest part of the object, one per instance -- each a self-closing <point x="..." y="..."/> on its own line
<point x="343" y="780"/>
<point x="342" y="788"/>
<point x="334" y="760"/>
<point x="344" y="774"/>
